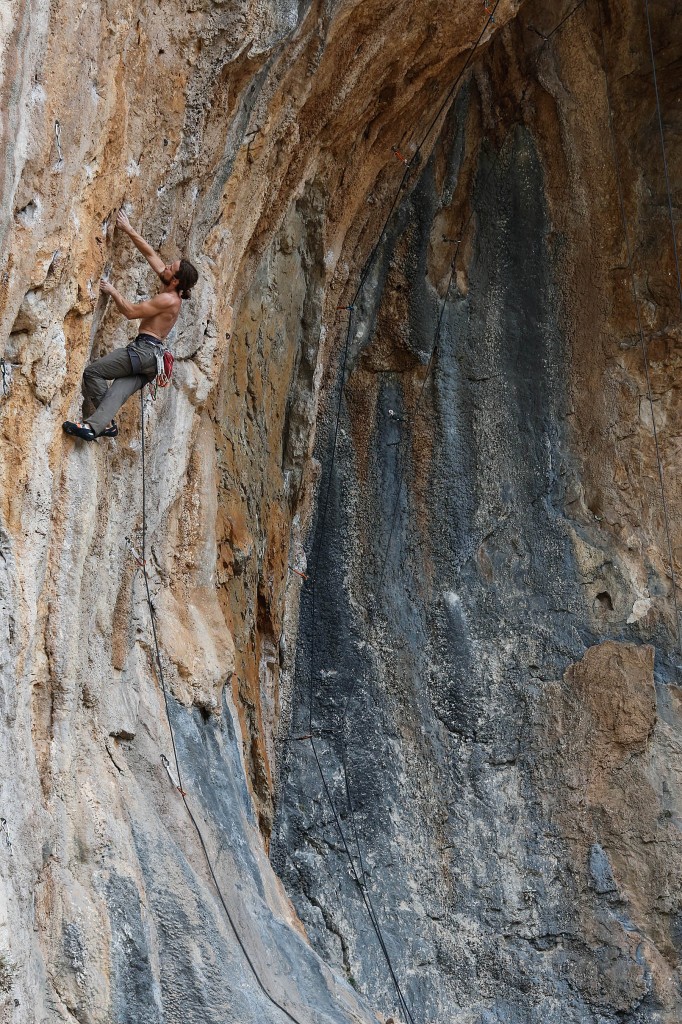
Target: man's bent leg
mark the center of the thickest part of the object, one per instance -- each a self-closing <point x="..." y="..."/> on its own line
<point x="97" y="375"/>
<point x="119" y="392"/>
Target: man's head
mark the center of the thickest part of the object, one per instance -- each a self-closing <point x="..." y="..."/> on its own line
<point x="182" y="275"/>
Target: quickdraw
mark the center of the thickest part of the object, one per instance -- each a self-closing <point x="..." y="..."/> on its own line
<point x="4" y="829"/>
<point x="163" y="378"/>
<point x="166" y="765"/>
<point x="134" y="552"/>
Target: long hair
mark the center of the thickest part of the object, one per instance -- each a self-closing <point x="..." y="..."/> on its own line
<point x="187" y="276"/>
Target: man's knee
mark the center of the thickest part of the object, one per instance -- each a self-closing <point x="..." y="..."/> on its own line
<point x="93" y="381"/>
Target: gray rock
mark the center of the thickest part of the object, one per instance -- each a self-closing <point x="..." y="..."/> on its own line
<point x="600" y="870"/>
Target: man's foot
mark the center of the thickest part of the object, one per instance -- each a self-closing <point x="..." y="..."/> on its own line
<point x="83" y="430"/>
<point x="110" y="431"/>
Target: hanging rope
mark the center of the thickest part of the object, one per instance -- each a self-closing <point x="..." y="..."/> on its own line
<point x="351" y="307"/>
<point x="360" y="879"/>
<point x="640" y="328"/>
<point x="567" y="17"/>
<point x="663" y="151"/>
<point x="461" y="233"/>
<point x="413" y="418"/>
<point x="143" y="565"/>
<point x="413" y="159"/>
<point x="401" y="474"/>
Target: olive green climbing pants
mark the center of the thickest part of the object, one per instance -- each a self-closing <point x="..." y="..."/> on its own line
<point x="101" y="402"/>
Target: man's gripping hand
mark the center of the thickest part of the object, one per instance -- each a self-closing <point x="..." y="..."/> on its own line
<point x="152" y="258"/>
<point x="106" y="288"/>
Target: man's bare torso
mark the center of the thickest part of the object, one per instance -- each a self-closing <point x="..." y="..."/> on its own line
<point x="161" y="324"/>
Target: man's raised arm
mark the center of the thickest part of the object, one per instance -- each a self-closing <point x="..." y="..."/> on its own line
<point x="152" y="258"/>
<point x="138" y="310"/>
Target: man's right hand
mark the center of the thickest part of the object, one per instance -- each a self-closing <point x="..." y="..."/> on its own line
<point x="152" y="258"/>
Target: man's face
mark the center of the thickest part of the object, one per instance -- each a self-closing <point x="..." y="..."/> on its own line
<point x="170" y="271"/>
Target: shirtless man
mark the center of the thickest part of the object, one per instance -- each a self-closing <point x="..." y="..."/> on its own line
<point x="132" y="367"/>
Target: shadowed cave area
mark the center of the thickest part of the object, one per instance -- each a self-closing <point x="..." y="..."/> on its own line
<point x="448" y="600"/>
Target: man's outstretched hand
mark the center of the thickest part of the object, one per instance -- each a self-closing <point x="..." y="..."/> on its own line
<point x="152" y="258"/>
<point x="105" y="287"/>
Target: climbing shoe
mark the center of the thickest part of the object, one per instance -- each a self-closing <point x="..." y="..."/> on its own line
<point x="82" y="430"/>
<point x="110" y="431"/>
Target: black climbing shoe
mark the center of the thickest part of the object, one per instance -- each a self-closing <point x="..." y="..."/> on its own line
<point x="82" y="430"/>
<point x="111" y="431"/>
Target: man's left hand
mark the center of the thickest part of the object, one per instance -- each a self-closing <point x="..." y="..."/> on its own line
<point x="105" y="287"/>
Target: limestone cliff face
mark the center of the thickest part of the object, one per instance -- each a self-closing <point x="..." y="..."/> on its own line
<point x="495" y="655"/>
<point x="501" y="678"/>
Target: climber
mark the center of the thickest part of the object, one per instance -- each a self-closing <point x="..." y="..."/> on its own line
<point x="132" y="367"/>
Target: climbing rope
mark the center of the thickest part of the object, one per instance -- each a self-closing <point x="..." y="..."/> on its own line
<point x="567" y="17"/>
<point x="640" y="327"/>
<point x="142" y="562"/>
<point x="351" y="308"/>
<point x="401" y="473"/>
<point x="663" y="150"/>
<point x="413" y="159"/>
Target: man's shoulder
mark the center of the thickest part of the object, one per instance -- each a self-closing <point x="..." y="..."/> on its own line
<point x="169" y="299"/>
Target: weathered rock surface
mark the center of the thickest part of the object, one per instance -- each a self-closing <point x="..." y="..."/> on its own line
<point x="501" y="677"/>
<point x="494" y="517"/>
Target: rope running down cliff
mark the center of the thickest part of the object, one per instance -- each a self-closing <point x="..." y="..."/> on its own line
<point x="160" y="667"/>
<point x="360" y="879"/>
<point x="413" y="418"/>
<point x="320" y="530"/>
<point x="640" y="327"/>
<point x="663" y="151"/>
<point x="180" y="787"/>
